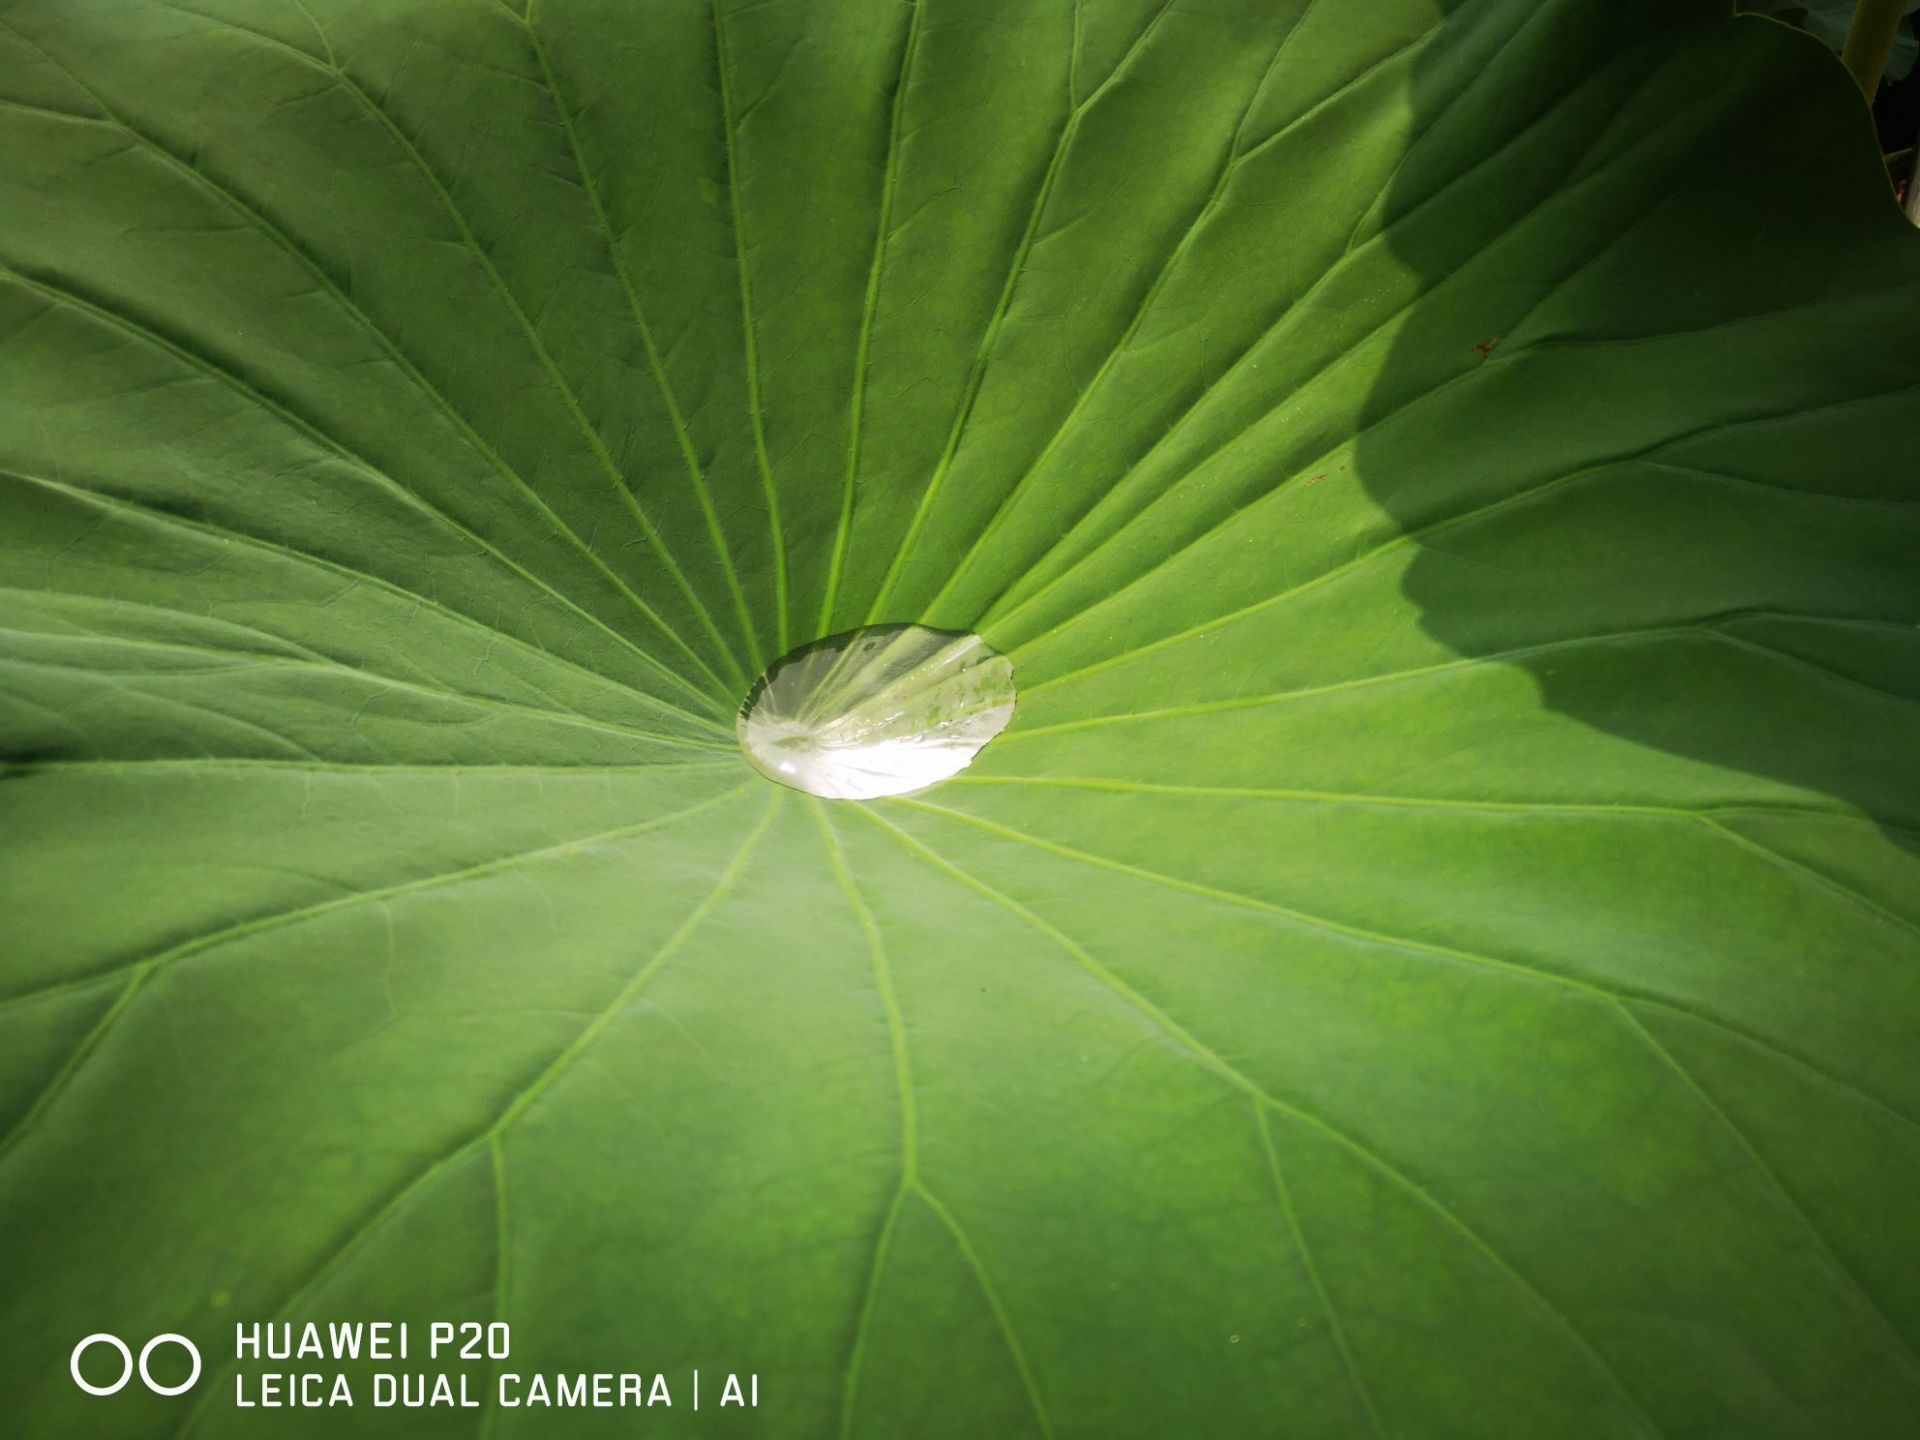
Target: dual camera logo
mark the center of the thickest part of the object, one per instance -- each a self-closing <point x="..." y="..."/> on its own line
<point x="128" y="1364"/>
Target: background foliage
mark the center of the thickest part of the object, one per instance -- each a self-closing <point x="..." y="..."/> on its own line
<point x="1829" y="19"/>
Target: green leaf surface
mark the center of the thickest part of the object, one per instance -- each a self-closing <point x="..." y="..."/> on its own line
<point x="1437" y="951"/>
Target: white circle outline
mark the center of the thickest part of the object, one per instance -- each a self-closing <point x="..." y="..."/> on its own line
<point x="126" y="1355"/>
<point x="185" y="1344"/>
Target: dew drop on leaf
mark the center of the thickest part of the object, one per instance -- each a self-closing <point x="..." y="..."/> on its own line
<point x="882" y="710"/>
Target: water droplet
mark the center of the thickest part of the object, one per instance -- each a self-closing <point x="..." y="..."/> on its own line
<point x="879" y="711"/>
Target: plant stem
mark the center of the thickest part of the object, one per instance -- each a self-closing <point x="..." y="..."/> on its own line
<point x="1912" y="202"/>
<point x="1870" y="41"/>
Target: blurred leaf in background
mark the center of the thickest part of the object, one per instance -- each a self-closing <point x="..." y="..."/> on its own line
<point x="1829" y="19"/>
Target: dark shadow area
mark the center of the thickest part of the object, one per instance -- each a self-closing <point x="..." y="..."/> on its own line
<point x="1896" y="109"/>
<point x="1653" y="425"/>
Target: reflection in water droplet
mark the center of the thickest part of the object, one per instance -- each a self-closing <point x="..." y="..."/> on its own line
<point x="879" y="711"/>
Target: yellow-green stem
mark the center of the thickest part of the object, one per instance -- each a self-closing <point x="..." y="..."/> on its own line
<point x="1870" y="41"/>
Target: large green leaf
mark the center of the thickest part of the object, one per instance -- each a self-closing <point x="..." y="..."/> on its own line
<point x="1437" y="952"/>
